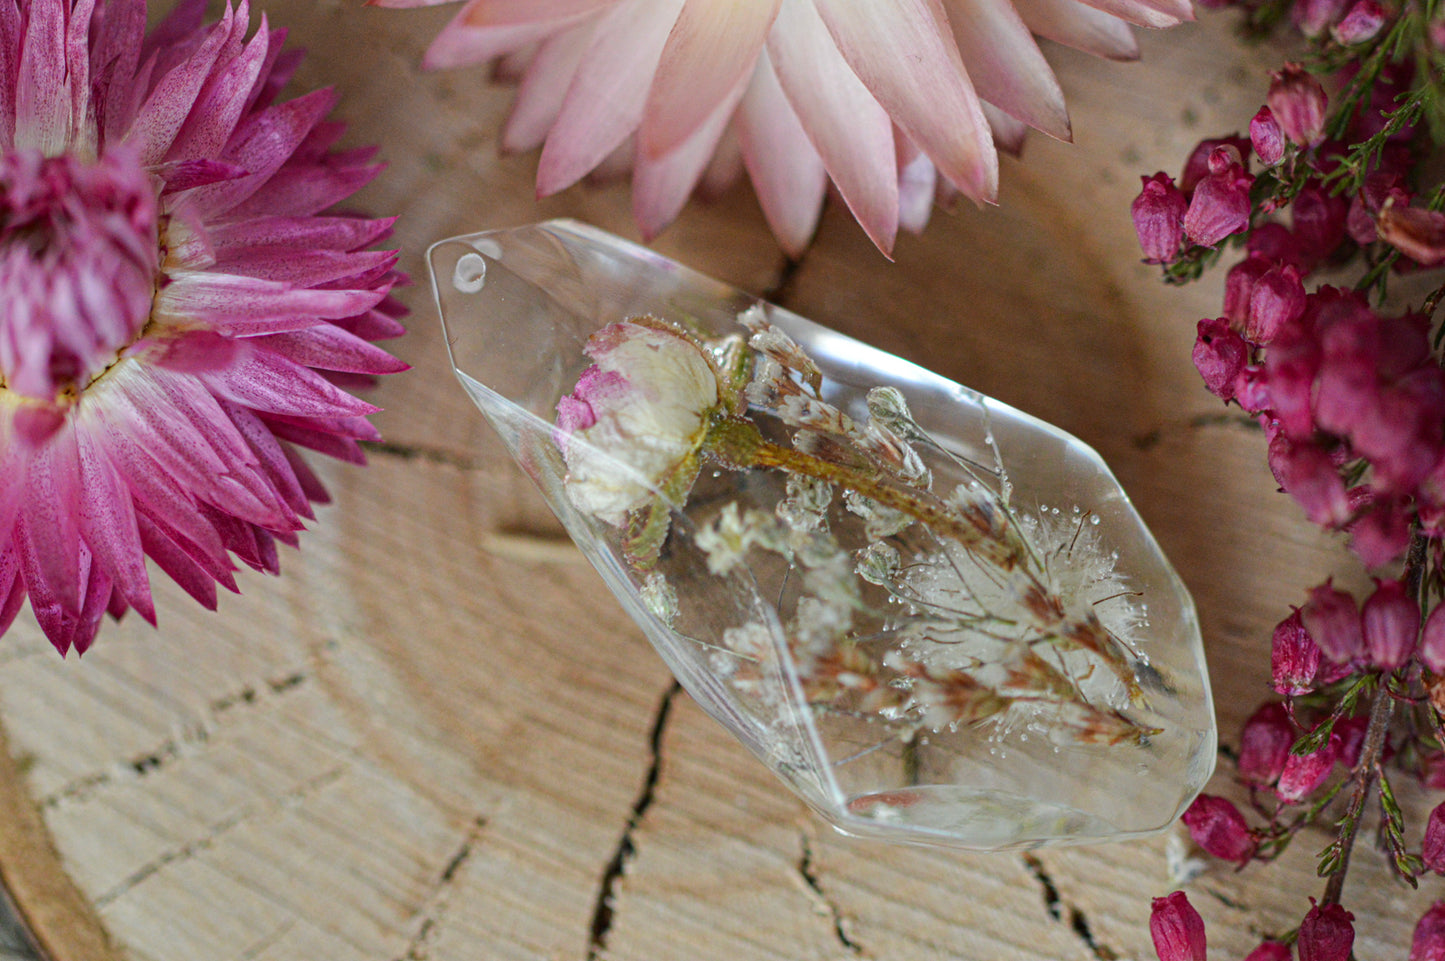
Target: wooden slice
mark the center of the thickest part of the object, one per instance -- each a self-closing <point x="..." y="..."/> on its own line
<point x="438" y="737"/>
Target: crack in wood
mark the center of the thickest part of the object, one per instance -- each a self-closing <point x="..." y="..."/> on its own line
<point x="215" y="833"/>
<point x="173" y="748"/>
<point x="604" y="911"/>
<point x="1059" y="909"/>
<point x="414" y="452"/>
<point x="781" y="288"/>
<point x="1150" y="439"/>
<point x="435" y="905"/>
<point x="809" y="874"/>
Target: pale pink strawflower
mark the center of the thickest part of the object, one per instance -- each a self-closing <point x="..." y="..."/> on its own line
<point x="179" y="313"/>
<point x="889" y="101"/>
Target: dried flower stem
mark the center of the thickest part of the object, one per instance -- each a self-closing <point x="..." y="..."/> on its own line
<point x="1382" y="709"/>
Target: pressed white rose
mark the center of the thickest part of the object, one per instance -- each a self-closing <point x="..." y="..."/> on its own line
<point x="637" y="415"/>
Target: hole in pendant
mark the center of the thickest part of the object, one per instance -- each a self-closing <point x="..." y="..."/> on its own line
<point x="470" y="273"/>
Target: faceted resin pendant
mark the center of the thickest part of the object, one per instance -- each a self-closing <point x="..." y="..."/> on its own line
<point x="937" y="619"/>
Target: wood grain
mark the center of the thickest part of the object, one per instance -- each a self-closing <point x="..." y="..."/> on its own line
<point x="437" y="738"/>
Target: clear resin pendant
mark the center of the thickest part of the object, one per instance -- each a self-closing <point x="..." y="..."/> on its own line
<point x="937" y="619"/>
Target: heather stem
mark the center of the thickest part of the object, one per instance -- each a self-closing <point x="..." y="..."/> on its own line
<point x="1382" y="708"/>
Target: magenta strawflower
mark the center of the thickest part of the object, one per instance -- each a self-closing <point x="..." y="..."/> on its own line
<point x="179" y="315"/>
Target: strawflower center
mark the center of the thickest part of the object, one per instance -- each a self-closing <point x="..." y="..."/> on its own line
<point x="79" y="261"/>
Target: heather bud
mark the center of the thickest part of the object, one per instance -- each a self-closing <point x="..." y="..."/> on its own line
<point x="1382" y="534"/>
<point x="1326" y="934"/>
<point x="1318" y="218"/>
<point x="1277" y="300"/>
<point x="1216" y="825"/>
<point x="1361" y="23"/>
<point x="1313" y="17"/>
<point x="1239" y="287"/>
<point x="1391" y="623"/>
<point x="1432" y="850"/>
<point x="1177" y="929"/>
<point x="1303" y="774"/>
<point x="1196" y="168"/>
<point x="1309" y="475"/>
<point x="1269" y="951"/>
<point x="1428" y="943"/>
<point x="1432" y="640"/>
<point x="1298" y="102"/>
<point x="1266" y="137"/>
<point x="1158" y="214"/>
<point x="1220" y="205"/>
<point x="1333" y="621"/>
<point x="1294" y="658"/>
<point x="1219" y="354"/>
<point x="1264" y="744"/>
<point x="1419" y="234"/>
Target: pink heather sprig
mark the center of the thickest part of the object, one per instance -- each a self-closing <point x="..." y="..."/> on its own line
<point x="1326" y="199"/>
<point x="183" y="310"/>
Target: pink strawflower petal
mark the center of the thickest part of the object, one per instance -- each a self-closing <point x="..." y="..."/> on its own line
<point x="915" y="71"/>
<point x="1006" y="66"/>
<point x="786" y="171"/>
<point x="608" y="94"/>
<point x="711" y="49"/>
<point x="847" y="125"/>
<point x="544" y="89"/>
<point x="660" y="187"/>
<point x="1087" y="28"/>
<point x="180" y="306"/>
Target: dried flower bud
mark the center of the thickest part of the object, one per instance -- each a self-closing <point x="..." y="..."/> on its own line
<point x="1418" y="234"/>
<point x="1216" y="825"/>
<point x="1351" y="732"/>
<point x="1313" y="17"/>
<point x="1432" y="849"/>
<point x="1432" y="640"/>
<point x="1326" y="934"/>
<point x="1310" y="476"/>
<point x="1269" y="951"/>
<point x="1361" y="23"/>
<point x="1294" y="658"/>
<point x="1264" y="744"/>
<point x="1196" y="168"/>
<point x="1177" y="929"/>
<point x="1382" y="534"/>
<point x="1303" y="774"/>
<point x="1318" y="218"/>
<point x="1266" y="137"/>
<point x="1277" y="300"/>
<point x="1158" y="214"/>
<point x="1333" y="621"/>
<point x="1220" y="205"/>
<point x="1298" y="101"/>
<point x="1239" y="287"/>
<point x="1391" y="623"/>
<point x="1219" y="354"/>
<point x="1428" y="944"/>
